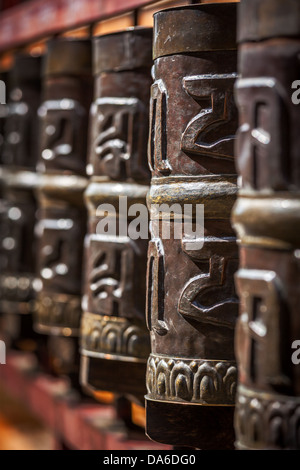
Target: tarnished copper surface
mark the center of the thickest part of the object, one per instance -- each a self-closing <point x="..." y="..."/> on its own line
<point x="266" y="218"/>
<point x="202" y="30"/>
<point x="191" y="300"/>
<point x="114" y="337"/>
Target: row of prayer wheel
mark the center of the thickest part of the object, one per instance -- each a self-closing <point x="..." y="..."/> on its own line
<point x="197" y="327"/>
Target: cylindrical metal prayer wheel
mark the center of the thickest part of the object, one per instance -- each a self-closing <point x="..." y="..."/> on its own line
<point x="266" y="217"/>
<point x="24" y="86"/>
<point x="61" y="226"/>
<point x="19" y="180"/>
<point x="3" y="108"/>
<point x="114" y="337"/>
<point x="3" y="114"/>
<point x="191" y="300"/>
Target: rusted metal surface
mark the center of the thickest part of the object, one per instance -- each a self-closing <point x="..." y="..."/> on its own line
<point x="114" y="337"/>
<point x="18" y="203"/>
<point x="61" y="224"/>
<point x="266" y="218"/>
<point x="191" y="300"/>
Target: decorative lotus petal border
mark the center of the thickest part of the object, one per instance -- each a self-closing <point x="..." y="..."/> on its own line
<point x="190" y="380"/>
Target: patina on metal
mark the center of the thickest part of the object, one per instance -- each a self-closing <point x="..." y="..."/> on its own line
<point x="114" y="339"/>
<point x="191" y="301"/>
<point x="61" y="224"/>
<point x="18" y="202"/>
<point x="266" y="218"/>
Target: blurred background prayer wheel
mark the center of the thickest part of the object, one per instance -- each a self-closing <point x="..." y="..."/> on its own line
<point x="191" y="301"/>
<point x="3" y="110"/>
<point x="114" y="338"/>
<point x="61" y="224"/>
<point x="266" y="217"/>
<point x="19" y="181"/>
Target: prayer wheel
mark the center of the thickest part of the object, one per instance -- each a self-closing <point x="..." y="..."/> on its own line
<point x="61" y="222"/>
<point x="265" y="217"/>
<point x="18" y="147"/>
<point x="114" y="338"/>
<point x="192" y="257"/>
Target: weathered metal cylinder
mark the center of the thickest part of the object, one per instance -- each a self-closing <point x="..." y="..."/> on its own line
<point x="3" y="108"/>
<point x="266" y="217"/>
<point x="24" y="86"/>
<point x="18" y="204"/>
<point x="61" y="225"/>
<point x="114" y="337"/>
<point x="191" y="300"/>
